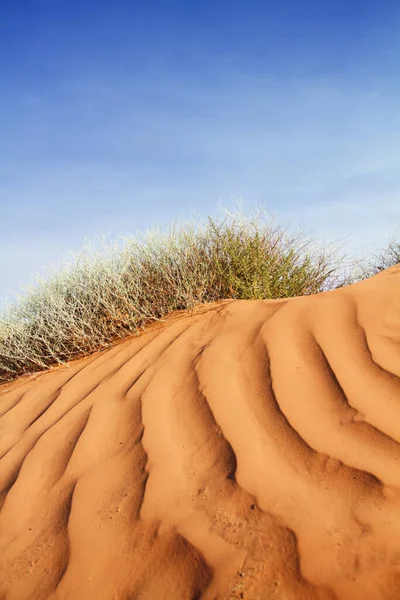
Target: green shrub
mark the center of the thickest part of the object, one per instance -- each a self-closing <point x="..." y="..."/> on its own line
<point x="387" y="257"/>
<point x="101" y="296"/>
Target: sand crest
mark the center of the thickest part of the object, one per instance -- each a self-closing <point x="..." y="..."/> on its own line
<point x="251" y="451"/>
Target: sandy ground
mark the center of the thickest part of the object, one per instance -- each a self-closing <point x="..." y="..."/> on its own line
<point x="251" y="451"/>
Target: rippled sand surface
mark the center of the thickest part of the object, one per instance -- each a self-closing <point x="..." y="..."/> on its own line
<point x="251" y="450"/>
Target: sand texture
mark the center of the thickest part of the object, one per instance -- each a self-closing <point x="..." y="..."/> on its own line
<point x="251" y="450"/>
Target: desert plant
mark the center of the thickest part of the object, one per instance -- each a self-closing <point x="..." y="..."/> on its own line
<point x="101" y="296"/>
<point x="387" y="257"/>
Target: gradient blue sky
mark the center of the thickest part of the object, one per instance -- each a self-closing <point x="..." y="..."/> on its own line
<point x="120" y="115"/>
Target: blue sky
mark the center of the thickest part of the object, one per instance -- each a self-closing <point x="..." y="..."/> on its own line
<point x="121" y="115"/>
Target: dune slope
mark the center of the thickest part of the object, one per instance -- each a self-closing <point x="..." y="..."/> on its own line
<point x="251" y="450"/>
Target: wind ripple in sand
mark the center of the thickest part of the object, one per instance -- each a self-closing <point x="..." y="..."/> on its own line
<point x="251" y="450"/>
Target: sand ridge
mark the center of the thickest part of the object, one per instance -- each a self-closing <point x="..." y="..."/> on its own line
<point x="251" y="450"/>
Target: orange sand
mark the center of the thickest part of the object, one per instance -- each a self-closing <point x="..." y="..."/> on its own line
<point x="251" y="450"/>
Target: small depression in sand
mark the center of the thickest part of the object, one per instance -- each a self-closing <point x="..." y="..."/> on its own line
<point x="250" y="450"/>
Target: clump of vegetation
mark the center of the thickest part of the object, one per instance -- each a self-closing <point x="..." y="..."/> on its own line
<point x="386" y="258"/>
<point x="102" y="296"/>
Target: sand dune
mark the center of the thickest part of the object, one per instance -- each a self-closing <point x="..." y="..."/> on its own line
<point x="251" y="450"/>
